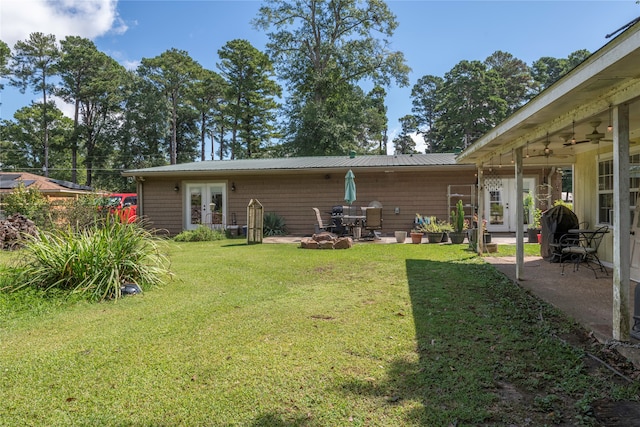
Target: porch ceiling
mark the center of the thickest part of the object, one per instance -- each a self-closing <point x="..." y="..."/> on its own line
<point x="609" y="77"/>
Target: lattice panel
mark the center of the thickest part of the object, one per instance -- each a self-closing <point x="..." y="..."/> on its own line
<point x="492" y="181"/>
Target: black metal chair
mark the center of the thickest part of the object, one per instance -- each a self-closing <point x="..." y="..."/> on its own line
<point x="583" y="249"/>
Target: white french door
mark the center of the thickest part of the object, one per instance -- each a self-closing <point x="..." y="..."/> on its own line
<point x="501" y="204"/>
<point x="205" y="204"/>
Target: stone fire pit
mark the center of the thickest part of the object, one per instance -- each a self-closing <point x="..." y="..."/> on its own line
<point x="326" y="240"/>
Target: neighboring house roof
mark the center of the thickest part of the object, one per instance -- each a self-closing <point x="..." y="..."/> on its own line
<point x="325" y="163"/>
<point x="11" y="180"/>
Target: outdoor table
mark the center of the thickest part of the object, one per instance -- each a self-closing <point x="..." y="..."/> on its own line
<point x="588" y="234"/>
<point x="352" y="221"/>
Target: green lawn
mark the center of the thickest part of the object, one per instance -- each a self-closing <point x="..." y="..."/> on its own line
<point x="273" y="335"/>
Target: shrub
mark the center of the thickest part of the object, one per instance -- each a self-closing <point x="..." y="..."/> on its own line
<point x="28" y="202"/>
<point x="274" y="225"/>
<point x="94" y="262"/>
<point x="563" y="203"/>
<point x="200" y="234"/>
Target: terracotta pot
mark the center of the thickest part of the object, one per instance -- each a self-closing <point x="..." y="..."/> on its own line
<point x="416" y="238"/>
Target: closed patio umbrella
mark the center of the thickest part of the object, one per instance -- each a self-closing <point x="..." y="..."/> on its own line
<point x="349" y="187"/>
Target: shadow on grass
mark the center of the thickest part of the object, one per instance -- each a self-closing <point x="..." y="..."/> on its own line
<point x="474" y="329"/>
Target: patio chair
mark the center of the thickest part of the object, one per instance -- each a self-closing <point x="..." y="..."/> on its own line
<point x="373" y="222"/>
<point x="320" y="225"/>
<point x="584" y="249"/>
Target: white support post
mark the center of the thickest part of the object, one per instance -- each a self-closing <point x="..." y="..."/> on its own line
<point x="519" y="216"/>
<point x="621" y="223"/>
<point x="480" y="236"/>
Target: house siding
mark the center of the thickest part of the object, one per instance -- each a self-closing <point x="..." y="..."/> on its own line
<point x="161" y="205"/>
<point x="291" y="194"/>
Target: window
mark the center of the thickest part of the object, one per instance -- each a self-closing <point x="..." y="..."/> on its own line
<point x="605" y="188"/>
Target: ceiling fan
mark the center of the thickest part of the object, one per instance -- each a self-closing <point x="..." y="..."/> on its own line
<point x="593" y="137"/>
<point x="545" y="152"/>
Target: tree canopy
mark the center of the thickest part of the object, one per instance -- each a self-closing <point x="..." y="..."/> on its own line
<point x="333" y="57"/>
<point x="323" y="50"/>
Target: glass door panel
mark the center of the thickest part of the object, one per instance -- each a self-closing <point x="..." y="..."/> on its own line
<point x="496" y="208"/>
<point x="205" y="205"/>
<point x="195" y="206"/>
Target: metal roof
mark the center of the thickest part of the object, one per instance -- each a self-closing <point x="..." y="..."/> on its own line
<point x="395" y="162"/>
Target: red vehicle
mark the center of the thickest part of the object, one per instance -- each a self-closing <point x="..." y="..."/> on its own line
<point x="125" y="205"/>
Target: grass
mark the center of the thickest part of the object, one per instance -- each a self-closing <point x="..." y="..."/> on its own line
<point x="272" y="335"/>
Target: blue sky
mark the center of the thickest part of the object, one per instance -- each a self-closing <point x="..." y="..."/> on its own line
<point x="434" y="35"/>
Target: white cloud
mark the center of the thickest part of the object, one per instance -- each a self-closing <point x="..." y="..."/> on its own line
<point x="85" y="18"/>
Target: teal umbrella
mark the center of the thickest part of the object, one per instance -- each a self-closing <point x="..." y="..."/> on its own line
<point x="350" y="187"/>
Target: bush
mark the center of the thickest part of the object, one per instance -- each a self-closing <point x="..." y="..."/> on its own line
<point x="200" y="234"/>
<point x="28" y="202"/>
<point x="274" y="225"/>
<point x="94" y="262"/>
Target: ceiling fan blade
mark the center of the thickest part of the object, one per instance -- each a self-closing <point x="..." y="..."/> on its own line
<point x="569" y="144"/>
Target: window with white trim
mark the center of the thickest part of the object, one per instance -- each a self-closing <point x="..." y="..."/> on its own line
<point x="605" y="188"/>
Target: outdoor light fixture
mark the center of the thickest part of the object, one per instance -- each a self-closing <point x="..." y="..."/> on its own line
<point x="233" y="186"/>
<point x="527" y="150"/>
<point x="547" y="151"/>
<point x="573" y="132"/>
<point x="512" y="160"/>
<point x="176" y="188"/>
<point x="610" y="127"/>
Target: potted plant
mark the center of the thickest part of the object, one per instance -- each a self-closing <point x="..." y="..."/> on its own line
<point x="434" y="229"/>
<point x="446" y="229"/>
<point x="416" y="236"/>
<point x="534" y="227"/>
<point x="458" y="223"/>
<point x="417" y="232"/>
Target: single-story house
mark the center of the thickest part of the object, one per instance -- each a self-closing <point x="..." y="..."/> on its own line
<point x="181" y="197"/>
<point x="589" y="119"/>
<point x="53" y="189"/>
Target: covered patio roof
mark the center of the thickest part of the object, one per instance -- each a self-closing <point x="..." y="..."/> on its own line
<point x="600" y="92"/>
<point x="586" y="95"/>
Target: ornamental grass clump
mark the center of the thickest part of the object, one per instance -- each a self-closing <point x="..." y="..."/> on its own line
<point x="94" y="262"/>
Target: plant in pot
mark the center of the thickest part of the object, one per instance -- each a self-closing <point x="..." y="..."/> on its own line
<point x="434" y="229"/>
<point x="534" y="227"/>
<point x="458" y="223"/>
<point x="416" y="236"/>
<point x="417" y="232"/>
